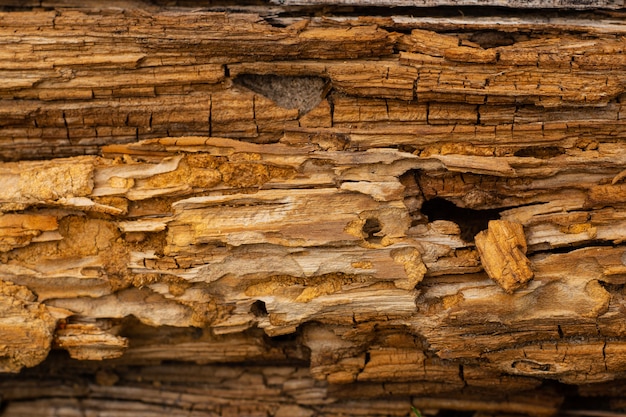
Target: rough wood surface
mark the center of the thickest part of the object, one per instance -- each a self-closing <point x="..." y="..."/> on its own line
<point x="388" y="211"/>
<point x="531" y="4"/>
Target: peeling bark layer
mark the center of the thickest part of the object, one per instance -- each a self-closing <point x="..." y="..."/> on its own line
<point x="388" y="210"/>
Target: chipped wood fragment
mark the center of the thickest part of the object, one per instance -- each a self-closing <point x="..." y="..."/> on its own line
<point x="90" y="341"/>
<point x="26" y="328"/>
<point x="502" y="249"/>
<point x="17" y="230"/>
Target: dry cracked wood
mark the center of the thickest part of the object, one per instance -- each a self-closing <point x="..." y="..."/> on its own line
<point x="434" y="216"/>
<point x="56" y="60"/>
<point x="531" y="4"/>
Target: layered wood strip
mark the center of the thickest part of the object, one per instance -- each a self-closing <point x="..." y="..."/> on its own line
<point x="208" y="390"/>
<point x="231" y="236"/>
<point x="76" y="79"/>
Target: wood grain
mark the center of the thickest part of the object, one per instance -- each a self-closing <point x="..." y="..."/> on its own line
<point x="389" y="211"/>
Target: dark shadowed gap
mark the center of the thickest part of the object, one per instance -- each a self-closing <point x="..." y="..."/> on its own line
<point x="470" y="221"/>
<point x="371" y="227"/>
<point x="454" y="413"/>
<point x="258" y="309"/>
<point x="541" y="152"/>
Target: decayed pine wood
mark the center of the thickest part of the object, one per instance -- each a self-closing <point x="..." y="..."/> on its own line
<point x="390" y="211"/>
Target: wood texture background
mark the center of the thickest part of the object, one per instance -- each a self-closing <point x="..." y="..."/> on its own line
<point x="286" y="210"/>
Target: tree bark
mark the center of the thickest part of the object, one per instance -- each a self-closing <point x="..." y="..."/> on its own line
<point x="300" y="210"/>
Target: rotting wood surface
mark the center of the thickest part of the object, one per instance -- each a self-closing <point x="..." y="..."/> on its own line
<point x="190" y="185"/>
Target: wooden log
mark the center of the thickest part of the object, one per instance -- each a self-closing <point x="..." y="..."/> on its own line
<point x="252" y="211"/>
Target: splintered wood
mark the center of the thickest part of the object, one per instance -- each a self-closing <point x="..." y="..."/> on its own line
<point x="502" y="249"/>
<point x="424" y="210"/>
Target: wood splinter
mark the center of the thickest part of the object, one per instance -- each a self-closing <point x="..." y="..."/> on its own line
<point x="502" y="249"/>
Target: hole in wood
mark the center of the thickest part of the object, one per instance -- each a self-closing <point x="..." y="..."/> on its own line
<point x="302" y="93"/>
<point x="372" y="228"/>
<point x="455" y="413"/>
<point x="258" y="309"/>
<point x="492" y="39"/>
<point x="470" y="221"/>
<point x="541" y="152"/>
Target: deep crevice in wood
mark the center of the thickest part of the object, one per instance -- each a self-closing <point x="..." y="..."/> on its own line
<point x="470" y="221"/>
